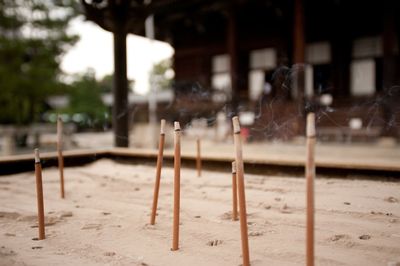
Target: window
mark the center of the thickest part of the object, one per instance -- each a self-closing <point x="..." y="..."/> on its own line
<point x="318" y="53"/>
<point x="362" y="77"/>
<point x="221" y="79"/>
<point x="262" y="63"/>
<point x="363" y="68"/>
<point x="317" y="70"/>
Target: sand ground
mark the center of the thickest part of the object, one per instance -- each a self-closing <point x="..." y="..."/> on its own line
<point x="104" y="219"/>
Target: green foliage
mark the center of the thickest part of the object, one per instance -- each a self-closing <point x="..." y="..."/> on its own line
<point x="106" y="83"/>
<point x="33" y="39"/>
<point x="86" y="107"/>
<point x="159" y="77"/>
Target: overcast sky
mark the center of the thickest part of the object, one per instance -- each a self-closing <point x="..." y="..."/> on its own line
<point x="95" y="50"/>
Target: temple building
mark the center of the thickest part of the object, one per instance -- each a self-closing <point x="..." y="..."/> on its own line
<point x="279" y="59"/>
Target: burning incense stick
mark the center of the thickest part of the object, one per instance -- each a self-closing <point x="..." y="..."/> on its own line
<point x="241" y="192"/>
<point x="198" y="158"/>
<point x="158" y="172"/>
<point x="177" y="185"/>
<point x="234" y="193"/>
<point x="310" y="175"/>
<point x="60" y="156"/>
<point x="39" y="194"/>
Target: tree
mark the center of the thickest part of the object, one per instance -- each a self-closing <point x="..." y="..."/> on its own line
<point x="161" y="75"/>
<point x="33" y="39"/>
<point x="85" y="104"/>
<point x="106" y="83"/>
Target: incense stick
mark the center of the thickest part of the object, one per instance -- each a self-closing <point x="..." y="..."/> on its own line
<point x="39" y="194"/>
<point x="198" y="158"/>
<point x="177" y="177"/>
<point x="310" y="175"/>
<point x="60" y="156"/>
<point x="158" y="172"/>
<point x="234" y="193"/>
<point x="241" y="191"/>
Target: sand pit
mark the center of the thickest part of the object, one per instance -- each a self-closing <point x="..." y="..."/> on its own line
<point x="104" y="219"/>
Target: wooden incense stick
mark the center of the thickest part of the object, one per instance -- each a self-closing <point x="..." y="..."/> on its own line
<point x="198" y="158"/>
<point x="310" y="175"/>
<point x="60" y="155"/>
<point x="234" y="193"/>
<point x="241" y="191"/>
<point x="158" y="172"/>
<point x="177" y="185"/>
<point x="39" y="194"/>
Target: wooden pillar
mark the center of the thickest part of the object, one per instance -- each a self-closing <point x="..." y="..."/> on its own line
<point x="120" y="92"/>
<point x="298" y="61"/>
<point x="389" y="43"/>
<point x="341" y="58"/>
<point x="232" y="48"/>
<point x="298" y="52"/>
<point x="341" y="47"/>
<point x="390" y="71"/>
<point x="298" y="34"/>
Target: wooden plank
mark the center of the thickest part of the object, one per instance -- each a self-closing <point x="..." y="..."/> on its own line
<point x="264" y="161"/>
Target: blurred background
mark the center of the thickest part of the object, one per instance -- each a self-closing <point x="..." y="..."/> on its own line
<point x="113" y="68"/>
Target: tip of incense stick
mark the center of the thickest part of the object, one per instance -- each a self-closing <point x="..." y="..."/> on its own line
<point x="59" y="118"/>
<point x="236" y="125"/>
<point x="162" y="128"/>
<point x="37" y="156"/>
<point x="233" y="167"/>
<point x="177" y="126"/>
<point x="310" y="125"/>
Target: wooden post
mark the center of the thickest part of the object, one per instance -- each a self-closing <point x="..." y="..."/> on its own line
<point x="234" y="193"/>
<point x="39" y="195"/>
<point x="299" y="44"/>
<point x="158" y="172"/>
<point x="298" y="33"/>
<point x="60" y="156"/>
<point x="177" y="186"/>
<point x="198" y="158"/>
<point x="120" y="90"/>
<point x="241" y="191"/>
<point x="310" y="175"/>
<point x="233" y="51"/>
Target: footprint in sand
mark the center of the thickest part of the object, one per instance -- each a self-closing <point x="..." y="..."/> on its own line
<point x="109" y="253"/>
<point x="149" y="227"/>
<point x="342" y="239"/>
<point x="91" y="226"/>
<point x="64" y="214"/>
<point x="10" y="215"/>
<point x="226" y="216"/>
<point x="6" y="252"/>
<point x="214" y="243"/>
<point x="391" y="199"/>
<point x="256" y="233"/>
<point x="364" y="237"/>
<point x="338" y="237"/>
<point x="285" y="209"/>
